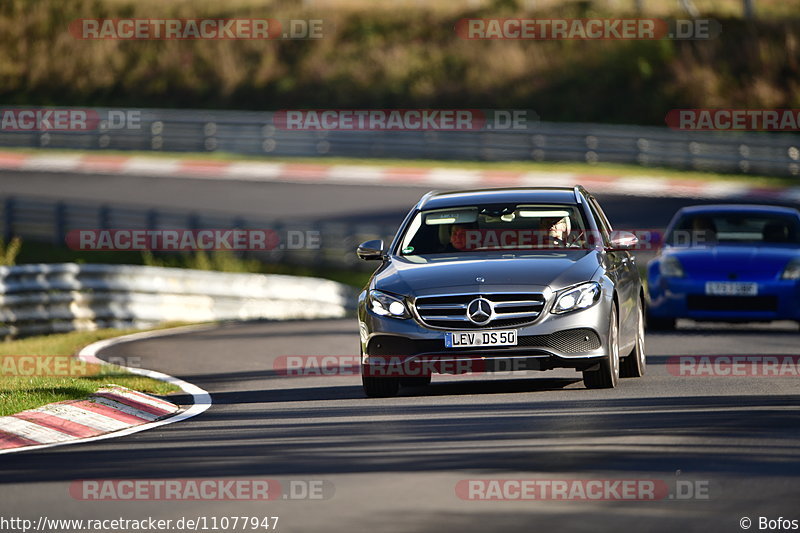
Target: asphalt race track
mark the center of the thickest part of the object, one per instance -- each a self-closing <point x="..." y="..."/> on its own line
<point x="393" y="464"/>
<point x="285" y="201"/>
<point x="725" y="447"/>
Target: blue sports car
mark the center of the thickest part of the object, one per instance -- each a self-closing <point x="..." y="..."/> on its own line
<point x="729" y="263"/>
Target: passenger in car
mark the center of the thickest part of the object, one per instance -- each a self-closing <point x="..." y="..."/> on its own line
<point x="703" y="230"/>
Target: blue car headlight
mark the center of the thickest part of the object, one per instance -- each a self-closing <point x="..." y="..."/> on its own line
<point x="670" y="267"/>
<point x="792" y="270"/>
<point x="384" y="304"/>
<point x="581" y="297"/>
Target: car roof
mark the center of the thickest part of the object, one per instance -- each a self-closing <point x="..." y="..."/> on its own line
<point x="445" y="199"/>
<point x="740" y="208"/>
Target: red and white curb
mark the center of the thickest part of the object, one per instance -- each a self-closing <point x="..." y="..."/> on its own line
<point x="387" y="176"/>
<point x="112" y="411"/>
<point x="109" y="409"/>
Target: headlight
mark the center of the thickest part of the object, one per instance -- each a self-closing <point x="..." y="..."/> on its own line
<point x="580" y="297"/>
<point x="792" y="270"/>
<point x="383" y="304"/>
<point x="670" y="267"/>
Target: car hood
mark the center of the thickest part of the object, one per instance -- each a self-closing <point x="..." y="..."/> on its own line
<point x="734" y="261"/>
<point x="422" y="275"/>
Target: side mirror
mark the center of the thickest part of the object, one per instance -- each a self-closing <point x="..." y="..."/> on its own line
<point x="623" y="240"/>
<point x="370" y="250"/>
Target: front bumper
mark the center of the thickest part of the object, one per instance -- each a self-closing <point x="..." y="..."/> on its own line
<point x="686" y="298"/>
<point x="573" y="340"/>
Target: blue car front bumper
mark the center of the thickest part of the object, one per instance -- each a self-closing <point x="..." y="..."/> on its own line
<point x="776" y="299"/>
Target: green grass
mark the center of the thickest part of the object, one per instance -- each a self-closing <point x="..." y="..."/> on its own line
<point x="600" y="169"/>
<point x="18" y="393"/>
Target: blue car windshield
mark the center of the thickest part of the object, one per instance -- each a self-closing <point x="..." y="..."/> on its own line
<point x="735" y="227"/>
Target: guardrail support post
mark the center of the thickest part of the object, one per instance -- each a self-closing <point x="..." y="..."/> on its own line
<point x="8" y="219"/>
<point x="60" y="224"/>
<point x="104" y="217"/>
<point x="152" y="220"/>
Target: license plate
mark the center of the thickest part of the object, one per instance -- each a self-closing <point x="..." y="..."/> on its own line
<point x="728" y="288"/>
<point x="466" y="339"/>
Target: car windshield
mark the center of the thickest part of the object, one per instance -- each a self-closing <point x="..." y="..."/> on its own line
<point x="735" y="227"/>
<point x="495" y="227"/>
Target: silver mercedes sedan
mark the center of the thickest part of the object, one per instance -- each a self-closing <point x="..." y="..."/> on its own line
<point x="496" y="280"/>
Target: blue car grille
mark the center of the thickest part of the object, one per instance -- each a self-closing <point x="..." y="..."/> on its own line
<point x="702" y="302"/>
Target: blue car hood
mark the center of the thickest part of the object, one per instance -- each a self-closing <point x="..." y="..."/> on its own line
<point x="734" y="261"/>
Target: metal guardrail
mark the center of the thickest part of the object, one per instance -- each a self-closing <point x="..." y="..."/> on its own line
<point x="49" y="221"/>
<point x="49" y="298"/>
<point x="255" y="133"/>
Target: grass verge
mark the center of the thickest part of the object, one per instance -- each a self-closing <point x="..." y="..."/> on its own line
<point x="18" y="393"/>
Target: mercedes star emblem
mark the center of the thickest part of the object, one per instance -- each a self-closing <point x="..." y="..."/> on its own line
<point x="479" y="311"/>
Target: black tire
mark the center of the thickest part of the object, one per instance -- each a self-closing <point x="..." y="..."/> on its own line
<point x="417" y="381"/>
<point x="657" y="323"/>
<point x="607" y="376"/>
<point x="380" y="387"/>
<point x="634" y="365"/>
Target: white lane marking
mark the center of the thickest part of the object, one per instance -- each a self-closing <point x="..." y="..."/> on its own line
<point x="636" y="186"/>
<point x="141" y="398"/>
<point x="201" y="398"/>
<point x="123" y="408"/>
<point x="356" y="174"/>
<point x="548" y="179"/>
<point x="246" y="170"/>
<point x="453" y="177"/>
<point x="145" y="166"/>
<point x="32" y="431"/>
<point x="56" y="162"/>
<point x="721" y="189"/>
<point x="90" y="419"/>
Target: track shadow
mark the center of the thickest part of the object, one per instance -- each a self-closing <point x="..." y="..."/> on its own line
<point x="294" y="431"/>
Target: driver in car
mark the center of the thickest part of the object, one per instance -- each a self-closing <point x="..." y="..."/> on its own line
<point x="554" y="231"/>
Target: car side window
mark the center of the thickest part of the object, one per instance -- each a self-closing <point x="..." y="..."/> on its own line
<point x="600" y="218"/>
<point x="602" y="214"/>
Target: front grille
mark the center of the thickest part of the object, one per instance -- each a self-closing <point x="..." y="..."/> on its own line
<point x="701" y="302"/>
<point x="571" y="341"/>
<point x="510" y="310"/>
